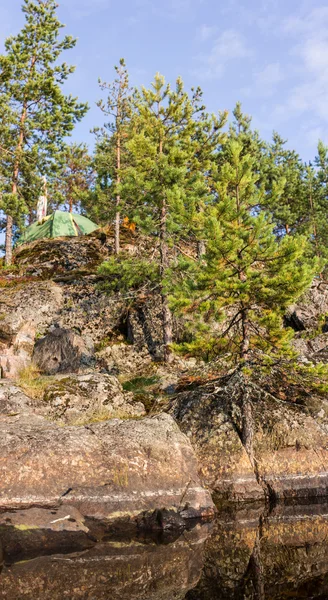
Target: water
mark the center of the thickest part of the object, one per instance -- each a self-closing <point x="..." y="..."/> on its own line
<point x="248" y="554"/>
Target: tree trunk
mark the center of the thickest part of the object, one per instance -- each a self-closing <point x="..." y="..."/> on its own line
<point x="247" y="433"/>
<point x="247" y="412"/>
<point x="166" y="313"/>
<point x="314" y="226"/>
<point x="118" y="198"/>
<point x="245" y="333"/>
<point x="10" y="221"/>
<point x="9" y="241"/>
<point x="201" y="248"/>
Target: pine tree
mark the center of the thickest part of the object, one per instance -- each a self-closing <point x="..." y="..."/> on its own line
<point x="35" y="113"/>
<point x="111" y="152"/>
<point x="319" y="204"/>
<point x="166" y="177"/>
<point x="289" y="209"/>
<point x="235" y="296"/>
<point x="247" y="277"/>
<point x="71" y="183"/>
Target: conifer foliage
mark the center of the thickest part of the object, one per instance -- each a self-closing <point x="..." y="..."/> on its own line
<point x="166" y="176"/>
<point x="236" y="295"/>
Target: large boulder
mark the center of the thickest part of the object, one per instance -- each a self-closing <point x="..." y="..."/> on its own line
<point x="62" y="351"/>
<point x="124" y="359"/>
<point x="114" y="469"/>
<point x="204" y="415"/>
<point x="310" y="311"/>
<point x="35" y="304"/>
<point x="25" y="311"/>
<point x="72" y="399"/>
<point x="290" y="456"/>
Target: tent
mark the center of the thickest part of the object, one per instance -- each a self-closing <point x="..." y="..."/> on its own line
<point x="59" y="224"/>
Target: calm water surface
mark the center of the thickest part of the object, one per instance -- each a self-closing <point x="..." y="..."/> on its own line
<point x="243" y="555"/>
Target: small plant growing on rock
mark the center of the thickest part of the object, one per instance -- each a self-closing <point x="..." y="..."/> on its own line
<point x="32" y="382"/>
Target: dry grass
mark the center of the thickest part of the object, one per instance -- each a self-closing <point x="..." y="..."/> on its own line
<point x="100" y="415"/>
<point x="32" y="383"/>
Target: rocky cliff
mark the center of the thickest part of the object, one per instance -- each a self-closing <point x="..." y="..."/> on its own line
<point x="88" y="426"/>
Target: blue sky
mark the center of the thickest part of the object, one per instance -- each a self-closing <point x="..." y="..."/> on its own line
<point x="270" y="54"/>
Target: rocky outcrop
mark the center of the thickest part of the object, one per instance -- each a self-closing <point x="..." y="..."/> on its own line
<point x="25" y="311"/>
<point x="204" y="414"/>
<point x="309" y="312"/>
<point x="124" y="359"/>
<point x="290" y="446"/>
<point x="87" y="398"/>
<point x="62" y="351"/>
<point x="51" y="258"/>
<point x="114" y="469"/>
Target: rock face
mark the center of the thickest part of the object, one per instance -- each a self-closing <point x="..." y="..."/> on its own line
<point x="24" y="311"/>
<point x="308" y="312"/>
<point x="83" y="398"/>
<point x="114" y="469"/>
<point x="290" y="446"/>
<point x="48" y="258"/>
<point x="62" y="351"/>
<point x="203" y="414"/>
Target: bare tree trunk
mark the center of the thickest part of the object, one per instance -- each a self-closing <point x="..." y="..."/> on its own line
<point x="9" y="241"/>
<point x="247" y="432"/>
<point x="246" y="406"/>
<point x="10" y="221"/>
<point x="118" y="198"/>
<point x="166" y="313"/>
<point x="314" y="226"/>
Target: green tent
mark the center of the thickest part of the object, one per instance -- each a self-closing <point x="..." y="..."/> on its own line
<point x="59" y="224"/>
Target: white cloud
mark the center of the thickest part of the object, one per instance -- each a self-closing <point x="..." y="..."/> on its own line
<point x="230" y="45"/>
<point x="310" y="55"/>
<point x="206" y="32"/>
<point x="268" y="78"/>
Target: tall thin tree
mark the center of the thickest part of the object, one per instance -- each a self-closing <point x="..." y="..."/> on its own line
<point x="110" y="155"/>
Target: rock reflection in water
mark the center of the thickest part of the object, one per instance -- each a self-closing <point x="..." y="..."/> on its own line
<point x="251" y="556"/>
<point x="246" y="555"/>
<point x="124" y="570"/>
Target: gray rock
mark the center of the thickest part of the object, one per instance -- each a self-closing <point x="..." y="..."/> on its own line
<point x="290" y="445"/>
<point x="308" y="312"/>
<point x="86" y="398"/>
<point x="61" y="351"/>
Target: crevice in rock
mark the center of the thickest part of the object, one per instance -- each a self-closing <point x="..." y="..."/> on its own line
<point x="294" y="322"/>
<point x="68" y="491"/>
